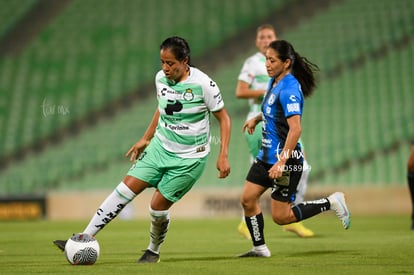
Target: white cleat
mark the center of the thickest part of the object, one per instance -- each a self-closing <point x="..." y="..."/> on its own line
<point x="257" y="251"/>
<point x="338" y="204"/>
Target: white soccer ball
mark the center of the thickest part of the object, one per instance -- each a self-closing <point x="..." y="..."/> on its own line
<point x="82" y="249"/>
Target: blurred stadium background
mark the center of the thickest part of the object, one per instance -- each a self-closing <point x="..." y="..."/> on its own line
<point x="76" y="91"/>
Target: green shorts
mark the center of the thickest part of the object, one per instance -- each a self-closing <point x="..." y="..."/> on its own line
<point x="171" y="175"/>
<point x="254" y="141"/>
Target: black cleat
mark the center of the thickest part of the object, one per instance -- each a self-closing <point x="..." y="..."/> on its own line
<point x="60" y="244"/>
<point x="149" y="257"/>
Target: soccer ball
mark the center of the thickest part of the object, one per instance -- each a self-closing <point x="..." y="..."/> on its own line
<point x="82" y="249"/>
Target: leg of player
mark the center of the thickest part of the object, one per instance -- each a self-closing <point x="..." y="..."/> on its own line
<point x="335" y="202"/>
<point x="297" y="227"/>
<point x="160" y="222"/>
<point x="111" y="207"/>
<point x="411" y="188"/>
<point x="254" y="142"/>
<point x="410" y="178"/>
<point x="254" y="220"/>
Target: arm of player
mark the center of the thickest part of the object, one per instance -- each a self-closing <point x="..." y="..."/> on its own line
<point x="136" y="149"/>
<point x="223" y="164"/>
<point x="250" y="124"/>
<point x="243" y="91"/>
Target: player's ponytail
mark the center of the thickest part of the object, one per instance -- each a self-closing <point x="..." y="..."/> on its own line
<point x="300" y="66"/>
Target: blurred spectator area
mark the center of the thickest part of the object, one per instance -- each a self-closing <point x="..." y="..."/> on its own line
<point x="77" y="93"/>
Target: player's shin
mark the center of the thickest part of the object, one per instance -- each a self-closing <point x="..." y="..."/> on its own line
<point x="309" y="209"/>
<point x="160" y="222"/>
<point x="110" y="208"/>
<point x="256" y="228"/>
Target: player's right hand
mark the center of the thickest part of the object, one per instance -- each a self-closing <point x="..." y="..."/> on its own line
<point x="136" y="150"/>
<point x="249" y="125"/>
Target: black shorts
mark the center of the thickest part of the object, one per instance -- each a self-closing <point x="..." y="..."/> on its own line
<point x="283" y="188"/>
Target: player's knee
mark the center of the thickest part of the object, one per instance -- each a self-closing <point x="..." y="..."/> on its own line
<point x="247" y="203"/>
<point x="244" y="202"/>
<point x="410" y="162"/>
<point x="410" y="165"/>
<point x="280" y="218"/>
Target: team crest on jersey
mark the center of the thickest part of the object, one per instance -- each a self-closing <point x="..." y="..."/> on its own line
<point x="188" y="95"/>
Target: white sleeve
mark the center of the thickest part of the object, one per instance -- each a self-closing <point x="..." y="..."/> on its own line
<point x="158" y="76"/>
<point x="246" y="73"/>
<point x="212" y="96"/>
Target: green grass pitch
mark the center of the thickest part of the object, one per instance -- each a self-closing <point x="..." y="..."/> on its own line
<point x="373" y="245"/>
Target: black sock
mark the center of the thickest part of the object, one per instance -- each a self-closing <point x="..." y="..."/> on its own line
<point x="410" y="178"/>
<point x="256" y="226"/>
<point x="309" y="209"/>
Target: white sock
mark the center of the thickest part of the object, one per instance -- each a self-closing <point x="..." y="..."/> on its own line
<point x="110" y="208"/>
<point x="160" y="222"/>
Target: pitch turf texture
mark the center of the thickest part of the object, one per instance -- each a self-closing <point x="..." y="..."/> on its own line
<point x="373" y="245"/>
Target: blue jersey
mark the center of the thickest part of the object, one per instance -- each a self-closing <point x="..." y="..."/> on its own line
<point x="279" y="103"/>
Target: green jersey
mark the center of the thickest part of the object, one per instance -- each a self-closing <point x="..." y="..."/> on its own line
<point x="254" y="73"/>
<point x="184" y="124"/>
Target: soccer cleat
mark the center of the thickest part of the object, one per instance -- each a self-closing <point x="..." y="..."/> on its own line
<point x="254" y="253"/>
<point x="337" y="201"/>
<point x="149" y="257"/>
<point x="60" y="244"/>
<point x="243" y="230"/>
<point x="299" y="229"/>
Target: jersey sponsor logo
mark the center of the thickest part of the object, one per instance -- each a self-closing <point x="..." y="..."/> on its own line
<point x="256" y="230"/>
<point x="173" y="106"/>
<point x="292" y="98"/>
<point x="164" y="91"/>
<point x="266" y="142"/>
<point x="293" y="107"/>
<point x="177" y="127"/>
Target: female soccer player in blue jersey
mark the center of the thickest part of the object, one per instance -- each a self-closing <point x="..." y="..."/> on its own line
<point x="251" y="85"/>
<point x="172" y="153"/>
<point x="279" y="163"/>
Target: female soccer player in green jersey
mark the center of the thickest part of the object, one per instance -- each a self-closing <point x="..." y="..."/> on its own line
<point x="172" y="153"/>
